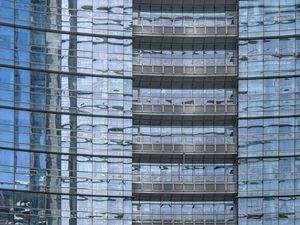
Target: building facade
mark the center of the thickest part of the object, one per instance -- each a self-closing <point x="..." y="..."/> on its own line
<point x="184" y="107"/>
<point x="268" y="119"/>
<point x="65" y="143"/>
<point x="149" y="112"/>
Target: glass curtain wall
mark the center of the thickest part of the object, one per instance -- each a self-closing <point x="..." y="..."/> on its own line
<point x="65" y="112"/>
<point x="184" y="106"/>
<point x="269" y="178"/>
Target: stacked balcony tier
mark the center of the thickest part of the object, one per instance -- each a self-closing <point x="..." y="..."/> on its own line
<point x="195" y="57"/>
<point x="161" y="20"/>
<point x="186" y="99"/>
<point x="184" y="179"/>
<point x="184" y="110"/>
<point x="180" y="212"/>
<point x="195" y="139"/>
<point x="186" y="4"/>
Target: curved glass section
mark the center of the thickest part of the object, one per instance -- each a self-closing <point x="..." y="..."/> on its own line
<point x="65" y="112"/>
<point x="92" y="17"/>
<point x="268" y="112"/>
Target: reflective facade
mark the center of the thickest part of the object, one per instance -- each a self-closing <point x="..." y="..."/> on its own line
<point x="149" y="112"/>
<point x="65" y="112"/>
<point x="184" y="108"/>
<point x="268" y="124"/>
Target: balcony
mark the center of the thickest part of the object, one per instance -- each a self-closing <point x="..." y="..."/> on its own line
<point x="183" y="179"/>
<point x="187" y="3"/>
<point x="154" y="21"/>
<point x="204" y="97"/>
<point x="174" y="222"/>
<point x="185" y="31"/>
<point x="181" y="70"/>
<point x="228" y="108"/>
<point x="184" y="59"/>
<point x="205" y="186"/>
<point x="183" y="212"/>
<point x="202" y="221"/>
<point x="177" y="108"/>
<point x="203" y="191"/>
<point x="198" y="221"/>
<point x="165" y="139"/>
<point x="196" y="151"/>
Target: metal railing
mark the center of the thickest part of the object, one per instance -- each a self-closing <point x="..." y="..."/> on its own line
<point x="177" y="187"/>
<point x="184" y="109"/>
<point x="161" y="148"/>
<point x="184" y="70"/>
<point x="183" y="219"/>
<point x="184" y="30"/>
<point x="179" y="222"/>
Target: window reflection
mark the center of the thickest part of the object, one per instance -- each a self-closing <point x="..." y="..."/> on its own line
<point x="186" y="55"/>
<point x="180" y="96"/>
<point x="172" y="134"/>
<point x="32" y="172"/>
<point x="28" y="207"/>
<point x="36" y="53"/>
<point x="268" y="144"/>
<point x="277" y="59"/>
<point x="190" y="18"/>
<point x="182" y="173"/>
<point x="182" y="211"/>
<point x="269" y="97"/>
<point x="58" y="94"/>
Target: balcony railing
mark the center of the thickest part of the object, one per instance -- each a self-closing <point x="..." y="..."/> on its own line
<point x="158" y="30"/>
<point x="180" y="222"/>
<point x="184" y="109"/>
<point x="182" y="216"/>
<point x="181" y="188"/>
<point x="186" y="219"/>
<point x="179" y="218"/>
<point x="186" y="3"/>
<point x="174" y="70"/>
<point x="190" y="148"/>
